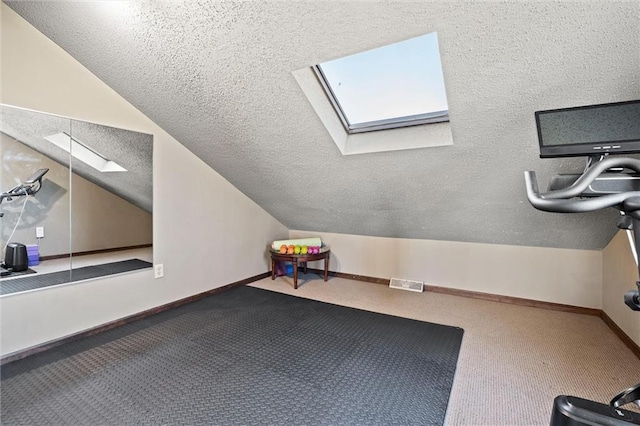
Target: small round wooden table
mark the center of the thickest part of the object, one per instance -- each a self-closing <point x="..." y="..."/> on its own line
<point x="299" y="259"/>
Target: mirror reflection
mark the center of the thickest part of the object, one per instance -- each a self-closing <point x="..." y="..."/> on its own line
<point x="76" y="200"/>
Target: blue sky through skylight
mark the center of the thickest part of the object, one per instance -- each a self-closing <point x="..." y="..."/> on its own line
<point x="397" y="80"/>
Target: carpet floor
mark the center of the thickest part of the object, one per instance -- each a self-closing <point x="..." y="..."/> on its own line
<point x="246" y="356"/>
<point x="514" y="359"/>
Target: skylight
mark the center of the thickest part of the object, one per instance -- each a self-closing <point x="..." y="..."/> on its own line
<point x="84" y="153"/>
<point x="393" y="86"/>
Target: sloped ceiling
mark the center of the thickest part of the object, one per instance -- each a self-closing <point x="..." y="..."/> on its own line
<point x="217" y="76"/>
<point x="132" y="150"/>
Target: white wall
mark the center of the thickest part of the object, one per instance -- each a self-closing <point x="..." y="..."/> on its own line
<point x="205" y="232"/>
<point x="572" y="277"/>
<point x="619" y="275"/>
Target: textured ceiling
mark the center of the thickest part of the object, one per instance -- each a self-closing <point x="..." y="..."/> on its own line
<point x="217" y="76"/>
<point x="132" y="150"/>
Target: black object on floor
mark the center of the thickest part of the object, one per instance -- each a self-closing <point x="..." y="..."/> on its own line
<point x="8" y="273"/>
<point x="32" y="282"/>
<point x="247" y="356"/>
<point x="574" y="411"/>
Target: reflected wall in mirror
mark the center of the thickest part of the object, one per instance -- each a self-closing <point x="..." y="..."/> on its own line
<point x="93" y="205"/>
<point x="50" y="206"/>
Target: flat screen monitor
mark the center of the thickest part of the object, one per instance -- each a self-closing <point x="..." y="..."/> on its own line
<point x="591" y="130"/>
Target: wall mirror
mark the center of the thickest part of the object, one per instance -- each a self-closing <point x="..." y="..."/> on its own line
<point x="76" y="200"/>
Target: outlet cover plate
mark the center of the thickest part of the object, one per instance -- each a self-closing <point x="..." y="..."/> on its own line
<point x="158" y="270"/>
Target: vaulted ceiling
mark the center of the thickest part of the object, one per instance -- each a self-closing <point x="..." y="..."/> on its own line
<point x="218" y="77"/>
<point x="132" y="150"/>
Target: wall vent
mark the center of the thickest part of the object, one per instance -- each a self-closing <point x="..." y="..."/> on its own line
<point x="406" y="284"/>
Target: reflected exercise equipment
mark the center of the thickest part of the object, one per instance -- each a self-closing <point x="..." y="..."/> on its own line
<point x="29" y="187"/>
<point x="87" y="208"/>
<point x="15" y="259"/>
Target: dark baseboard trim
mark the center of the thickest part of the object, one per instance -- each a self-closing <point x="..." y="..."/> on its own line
<point x="435" y="289"/>
<point x="621" y="334"/>
<point x="507" y="299"/>
<point x="475" y="295"/>
<point x="84" y="253"/>
<point x="353" y="277"/>
<point x="122" y="321"/>
<point x="514" y="300"/>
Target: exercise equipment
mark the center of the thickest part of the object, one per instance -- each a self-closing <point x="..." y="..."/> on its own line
<point x="16" y="259"/>
<point x="29" y="187"/>
<point x="580" y="197"/>
<point x="606" y="182"/>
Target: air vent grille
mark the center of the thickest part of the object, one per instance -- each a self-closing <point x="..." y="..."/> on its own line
<point x="406" y="284"/>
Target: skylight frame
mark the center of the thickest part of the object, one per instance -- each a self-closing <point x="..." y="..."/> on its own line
<point x="83" y="153"/>
<point x="371" y="126"/>
<point x="383" y="124"/>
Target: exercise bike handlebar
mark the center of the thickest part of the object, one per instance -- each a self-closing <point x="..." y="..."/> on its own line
<point x="555" y="204"/>
<point x="580" y="185"/>
<point x="20" y="190"/>
<point x="29" y="187"/>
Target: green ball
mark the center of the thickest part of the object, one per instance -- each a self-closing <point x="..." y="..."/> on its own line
<point x="296" y="250"/>
<point x="304" y="250"/>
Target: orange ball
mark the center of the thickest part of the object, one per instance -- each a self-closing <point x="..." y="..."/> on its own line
<point x="283" y="249"/>
<point x="290" y="249"/>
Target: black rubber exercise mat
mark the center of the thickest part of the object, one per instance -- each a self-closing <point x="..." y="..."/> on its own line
<point x="243" y="357"/>
<point x="34" y="281"/>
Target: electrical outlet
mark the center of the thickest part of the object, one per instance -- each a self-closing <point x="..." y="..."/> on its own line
<point x="39" y="231"/>
<point x="158" y="270"/>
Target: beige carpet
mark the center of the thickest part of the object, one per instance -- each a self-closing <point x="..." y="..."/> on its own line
<point x="514" y="360"/>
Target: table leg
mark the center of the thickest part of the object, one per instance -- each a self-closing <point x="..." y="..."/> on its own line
<point x="305" y="266"/>
<point x="326" y="267"/>
<point x="273" y="269"/>
<point x="295" y="274"/>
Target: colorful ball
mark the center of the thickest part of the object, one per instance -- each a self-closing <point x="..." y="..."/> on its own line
<point x="283" y="249"/>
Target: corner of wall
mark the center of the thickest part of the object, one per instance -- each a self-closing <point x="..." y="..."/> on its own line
<point x="619" y="275"/>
